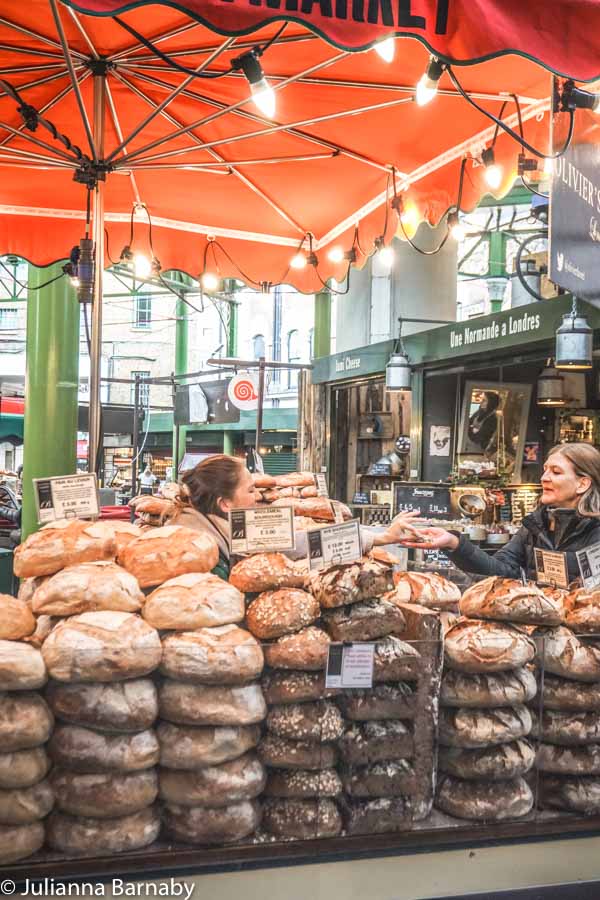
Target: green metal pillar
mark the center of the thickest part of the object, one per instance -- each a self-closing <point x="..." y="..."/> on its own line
<point x="181" y="361"/>
<point x="497" y="265"/>
<point x="50" y="437"/>
<point x="322" y="328"/>
<point x="232" y="349"/>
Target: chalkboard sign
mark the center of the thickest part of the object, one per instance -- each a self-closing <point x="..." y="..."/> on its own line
<point x="432" y="500"/>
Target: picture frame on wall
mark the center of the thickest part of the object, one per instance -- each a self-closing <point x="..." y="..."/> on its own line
<point x="493" y="427"/>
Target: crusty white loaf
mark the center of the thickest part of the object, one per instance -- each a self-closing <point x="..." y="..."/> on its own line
<point x="28" y="587"/>
<point x="583" y="611"/>
<point x="104" y="795"/>
<point x="295" y="479"/>
<point x="477" y="646"/>
<point x="22" y="667"/>
<point x="429" y="589"/>
<point x="196" y="600"/>
<point x="305" y="650"/>
<point x="473" y="728"/>
<point x="511" y="601"/>
<point x="192" y="747"/>
<point x="101" y="646"/>
<point x="43" y="627"/>
<point x="225" y="825"/>
<point x="212" y="786"/>
<point x="495" y="763"/>
<point x="314" y="507"/>
<point x="490" y="801"/>
<point x="88" y="587"/>
<point x="148" y="505"/>
<point x="25" y="721"/>
<point x="22" y="806"/>
<point x="66" y="542"/>
<point x="20" y="841"/>
<point x="90" y="836"/>
<point x="125" y="706"/>
<point x="199" y="704"/>
<point x="564" y="654"/>
<point x="483" y="690"/>
<point x="223" y="655"/>
<point x="275" y="613"/>
<point x="122" y="532"/>
<point x="266" y="572"/>
<point x="262" y="480"/>
<point x="88" y="752"/>
<point x="16" y="619"/>
<point x="163" y="553"/>
<point x="22" y="768"/>
<point x="362" y="580"/>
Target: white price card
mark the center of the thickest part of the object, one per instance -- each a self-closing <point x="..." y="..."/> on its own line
<point x="268" y="528"/>
<point x="551" y="568"/>
<point x="334" y="545"/>
<point x="66" y="497"/>
<point x="321" y="484"/>
<point x="589" y="566"/>
<point x="350" y="665"/>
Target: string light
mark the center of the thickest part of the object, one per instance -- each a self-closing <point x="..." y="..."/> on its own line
<point x="573" y="98"/>
<point x="427" y="85"/>
<point x="456" y="229"/>
<point x="493" y="172"/>
<point x="385" y="255"/>
<point x="336" y="255"/>
<point x="262" y="93"/>
<point x="298" y="261"/>
<point x="548" y="168"/>
<point x="142" y="265"/>
<point x="210" y="281"/>
<point x="75" y="282"/>
<point x="386" y="49"/>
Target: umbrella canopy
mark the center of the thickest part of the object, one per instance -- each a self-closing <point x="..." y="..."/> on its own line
<point x="232" y="190"/>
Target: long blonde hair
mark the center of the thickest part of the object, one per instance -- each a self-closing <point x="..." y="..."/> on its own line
<point x="585" y="459"/>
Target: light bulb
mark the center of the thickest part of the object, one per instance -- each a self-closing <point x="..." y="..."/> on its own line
<point x="493" y="176"/>
<point x="385" y="255"/>
<point x="75" y="282"/>
<point x="210" y="281"/>
<point x="298" y="261"/>
<point x="386" y="49"/>
<point x="336" y="255"/>
<point x="141" y="265"/>
<point x="456" y="229"/>
<point x="548" y="165"/>
<point x="410" y="217"/>
<point x="426" y="90"/>
<point x="264" y="97"/>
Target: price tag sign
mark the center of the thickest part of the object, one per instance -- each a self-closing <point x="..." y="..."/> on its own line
<point x="350" y="666"/>
<point x="269" y="528"/>
<point x="338" y="515"/>
<point x="551" y="568"/>
<point x="589" y="566"/>
<point x="321" y="483"/>
<point x="334" y="545"/>
<point x="66" y="497"/>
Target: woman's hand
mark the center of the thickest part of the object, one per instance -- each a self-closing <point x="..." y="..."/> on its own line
<point x="433" y="539"/>
<point x="400" y="530"/>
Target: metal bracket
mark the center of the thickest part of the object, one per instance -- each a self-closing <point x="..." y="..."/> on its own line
<point x="90" y="173"/>
<point x="100" y="65"/>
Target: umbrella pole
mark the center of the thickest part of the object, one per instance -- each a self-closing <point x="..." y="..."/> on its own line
<point x="98" y="234"/>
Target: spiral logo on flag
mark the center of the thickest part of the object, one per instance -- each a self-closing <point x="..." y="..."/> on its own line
<point x="243" y="391"/>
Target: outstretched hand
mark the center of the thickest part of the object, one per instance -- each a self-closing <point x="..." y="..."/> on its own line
<point x="432" y="539"/>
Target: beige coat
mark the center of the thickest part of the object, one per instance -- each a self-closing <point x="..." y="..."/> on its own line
<point x="209" y="524"/>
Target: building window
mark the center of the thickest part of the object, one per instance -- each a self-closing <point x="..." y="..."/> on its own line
<point x="144" y="389"/>
<point x="258" y="346"/>
<point x="293" y="355"/>
<point x="9" y="318"/>
<point x="142" y="311"/>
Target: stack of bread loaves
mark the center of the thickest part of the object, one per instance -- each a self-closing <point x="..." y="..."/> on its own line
<point x="484" y="724"/>
<point x="298" y="490"/>
<point x="569" y="730"/>
<point x="210" y="705"/>
<point x="303" y="723"/>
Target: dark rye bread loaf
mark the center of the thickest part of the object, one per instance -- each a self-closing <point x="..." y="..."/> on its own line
<point x="319" y="721"/>
<point x="487" y="690"/>
<point x="303" y="783"/>
<point x="509" y="600"/>
<point x="286" y="818"/>
<point x="493" y="763"/>
<point x="394" y="778"/>
<point x="352" y="583"/>
<point x="363" y="744"/>
<point x="280" y="753"/>
<point x="567" y="728"/>
<point x="381" y="816"/>
<point x="487" y="801"/>
<point x="288" y="686"/>
<point x="474" y="728"/>
<point x="582" y="760"/>
<point x="570" y="696"/>
<point x="475" y="646"/>
<point x="396" y="660"/>
<point x="383" y="701"/>
<point x="364" y="621"/>
<point x="578" y="795"/>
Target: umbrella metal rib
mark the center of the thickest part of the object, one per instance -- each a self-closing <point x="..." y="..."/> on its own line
<point x="37" y="36"/>
<point x="267" y="161"/>
<point x="240" y="45"/>
<point x="42" y="67"/>
<point x="37" y="157"/>
<point x="82" y="32"/>
<point x="13" y="48"/>
<point x="52" y="102"/>
<point x="38" y="82"/>
<point x="175" y="32"/>
<point x="117" y="124"/>
<point x="27" y="136"/>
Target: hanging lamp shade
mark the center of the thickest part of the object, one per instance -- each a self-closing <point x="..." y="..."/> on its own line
<point x="550" y="386"/>
<point x="574" y="342"/>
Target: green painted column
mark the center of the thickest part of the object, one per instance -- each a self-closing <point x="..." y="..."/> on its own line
<point x="497" y="268"/>
<point x="50" y="437"/>
<point x="322" y="329"/>
<point x="232" y="349"/>
<point x="181" y="362"/>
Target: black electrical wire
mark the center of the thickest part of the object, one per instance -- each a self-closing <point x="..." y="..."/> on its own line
<point x="518" y="263"/>
<point x="26" y="286"/>
<point x="32" y="118"/>
<point x="86" y="321"/>
<point x="167" y="59"/>
<point x="532" y="190"/>
<point x="106" y="241"/>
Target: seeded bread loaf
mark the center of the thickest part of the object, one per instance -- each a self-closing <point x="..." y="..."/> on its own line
<point x="301" y="818"/>
<point x="287" y="686"/>
<point x="280" y="753"/>
<point x="277" y="613"/>
<point x="319" y="721"/>
<point x="299" y="784"/>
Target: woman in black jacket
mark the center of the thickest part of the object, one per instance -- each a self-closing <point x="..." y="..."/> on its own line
<point x="567" y="520"/>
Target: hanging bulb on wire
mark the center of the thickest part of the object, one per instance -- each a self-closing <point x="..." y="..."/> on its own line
<point x="385" y="255"/>
<point x="210" y="281"/>
<point x="142" y="265"/>
<point x="456" y="228"/>
<point x="493" y="172"/>
<point x="336" y="254"/>
<point x="427" y="85"/>
<point x="386" y="49"/>
<point x="262" y="93"/>
<point x="298" y="261"/>
<point x="548" y="167"/>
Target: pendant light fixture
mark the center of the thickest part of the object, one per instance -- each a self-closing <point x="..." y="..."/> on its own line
<point x="398" y="371"/>
<point x="574" y="339"/>
<point x="550" y="386"/>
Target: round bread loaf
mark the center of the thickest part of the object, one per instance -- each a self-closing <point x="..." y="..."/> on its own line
<point x="365" y="621"/>
<point x="122" y="532"/>
<point x="223" y="655"/>
<point x="211" y="786"/>
<point x="365" y="579"/>
<point x="198" y="704"/>
<point x="473" y="728"/>
<point x="301" y="818"/>
<point x="309" y="491"/>
<point x="318" y="721"/>
<point x="104" y="796"/>
<point x="295" y="479"/>
<point x="20" y="841"/>
<point x="101" y="646"/>
<point x="300" y="783"/>
<point x="564" y="654"/>
<point x="196" y="600"/>
<point x="570" y="696"/>
<point x="189" y="747"/>
<point x="295" y="687"/>
<point x="28" y="587"/>
<point x="88" y="587"/>
<point x="123" y="706"/>
<point x="90" y="836"/>
<point x="383" y="701"/>
<point x="511" y="601"/>
<point x="393" y="778"/>
<point x="22" y="768"/>
<point x="474" y="646"/>
<point x="163" y="553"/>
<point x="262" y="480"/>
<point x="225" y="825"/>
<point x="22" y="667"/>
<point x="279" y="753"/>
<point x="63" y="543"/>
<point x="489" y="801"/>
<point x="25" y="721"/>
<point x="493" y="763"/>
<point x="583" y="611"/>
<point x="381" y="816"/>
<point x="22" y="806"/>
<point x="429" y="589"/>
<point x="160" y="508"/>
<point x="16" y="619"/>
<point x="584" y="760"/>
<point x="314" y="507"/>
<point x="396" y="660"/>
<point x="363" y="744"/>
<point x="275" y="613"/>
<point x="266" y="572"/>
<point x="481" y="690"/>
<point x="306" y="650"/>
<point x="568" y="728"/>
<point x="43" y="627"/>
<point x="89" y="752"/>
<point x="579" y="795"/>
